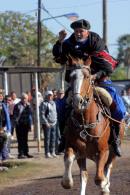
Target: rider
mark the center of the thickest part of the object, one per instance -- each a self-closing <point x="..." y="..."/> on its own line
<point x="81" y="44"/>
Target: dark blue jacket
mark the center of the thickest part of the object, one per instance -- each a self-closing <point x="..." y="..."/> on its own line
<point x="7" y="122"/>
<point x="60" y="107"/>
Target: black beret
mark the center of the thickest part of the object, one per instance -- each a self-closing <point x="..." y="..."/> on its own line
<point x="80" y="24"/>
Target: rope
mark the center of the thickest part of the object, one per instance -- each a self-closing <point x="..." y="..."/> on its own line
<point x="95" y="136"/>
<point x="120" y="122"/>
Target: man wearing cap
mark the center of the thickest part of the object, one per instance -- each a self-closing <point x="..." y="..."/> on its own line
<point x="48" y="115"/>
<point x="82" y="44"/>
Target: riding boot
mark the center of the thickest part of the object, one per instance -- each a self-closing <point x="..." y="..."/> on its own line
<point x="116" y="139"/>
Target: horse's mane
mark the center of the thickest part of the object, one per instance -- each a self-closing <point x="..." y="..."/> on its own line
<point x="75" y="60"/>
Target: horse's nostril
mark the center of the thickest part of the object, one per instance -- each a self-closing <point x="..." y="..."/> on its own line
<point x="81" y="101"/>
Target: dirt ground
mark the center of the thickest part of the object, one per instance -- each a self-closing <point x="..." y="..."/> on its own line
<point x="48" y="181"/>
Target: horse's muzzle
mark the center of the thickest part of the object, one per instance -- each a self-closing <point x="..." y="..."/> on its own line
<point x="77" y="102"/>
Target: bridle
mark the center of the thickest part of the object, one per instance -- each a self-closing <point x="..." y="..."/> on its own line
<point x="87" y="98"/>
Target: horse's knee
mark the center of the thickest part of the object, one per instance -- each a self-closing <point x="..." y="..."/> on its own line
<point x="69" y="152"/>
<point x="69" y="156"/>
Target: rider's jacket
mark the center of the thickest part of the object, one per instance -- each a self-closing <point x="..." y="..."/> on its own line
<point x="93" y="46"/>
<point x="102" y="63"/>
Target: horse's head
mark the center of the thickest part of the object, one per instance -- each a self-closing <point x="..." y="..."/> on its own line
<point x="81" y="83"/>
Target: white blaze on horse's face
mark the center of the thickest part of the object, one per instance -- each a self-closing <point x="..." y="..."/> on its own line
<point x="77" y="77"/>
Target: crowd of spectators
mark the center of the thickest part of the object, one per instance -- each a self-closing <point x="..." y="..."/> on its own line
<point x="18" y="118"/>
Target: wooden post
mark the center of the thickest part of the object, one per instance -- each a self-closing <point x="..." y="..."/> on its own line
<point x="6" y="83"/>
<point x="37" y="113"/>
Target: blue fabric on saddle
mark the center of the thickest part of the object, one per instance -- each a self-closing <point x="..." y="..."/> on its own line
<point x="120" y="111"/>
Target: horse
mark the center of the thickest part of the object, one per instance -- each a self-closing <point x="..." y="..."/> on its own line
<point x="88" y="132"/>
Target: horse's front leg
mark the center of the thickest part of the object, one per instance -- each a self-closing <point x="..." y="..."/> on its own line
<point x="83" y="175"/>
<point x="101" y="178"/>
<point x="107" y="172"/>
<point x="67" y="181"/>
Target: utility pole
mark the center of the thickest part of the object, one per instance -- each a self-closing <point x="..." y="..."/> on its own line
<point x="39" y="34"/>
<point x="37" y="80"/>
<point x="104" y="8"/>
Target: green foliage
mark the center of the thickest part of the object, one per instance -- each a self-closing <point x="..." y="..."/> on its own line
<point x="119" y="74"/>
<point x="18" y="40"/>
<point x="124" y="46"/>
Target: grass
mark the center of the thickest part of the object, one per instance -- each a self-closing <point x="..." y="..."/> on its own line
<point x="19" y="170"/>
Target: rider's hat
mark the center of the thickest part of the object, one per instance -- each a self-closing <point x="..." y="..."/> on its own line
<point x="80" y="24"/>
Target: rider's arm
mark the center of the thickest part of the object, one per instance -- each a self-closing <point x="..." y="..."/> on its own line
<point x="100" y="56"/>
<point x="59" y="56"/>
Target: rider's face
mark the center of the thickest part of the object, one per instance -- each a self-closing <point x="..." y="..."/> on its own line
<point x="81" y="34"/>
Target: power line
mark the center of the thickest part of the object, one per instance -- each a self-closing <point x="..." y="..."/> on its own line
<point x="88" y="4"/>
<point x="53" y="17"/>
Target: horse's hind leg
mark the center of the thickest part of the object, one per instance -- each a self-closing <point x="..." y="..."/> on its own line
<point x="67" y="181"/>
<point x="83" y="175"/>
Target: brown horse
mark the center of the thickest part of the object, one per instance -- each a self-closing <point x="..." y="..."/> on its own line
<point x="87" y="133"/>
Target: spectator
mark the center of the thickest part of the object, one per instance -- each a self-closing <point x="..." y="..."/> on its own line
<point x="126" y="99"/>
<point x="60" y="106"/>
<point x="8" y="102"/>
<point x="29" y="96"/>
<point x="15" y="100"/>
<point x="48" y="116"/>
<point x="5" y="128"/>
<point x="23" y="121"/>
<point x="54" y="94"/>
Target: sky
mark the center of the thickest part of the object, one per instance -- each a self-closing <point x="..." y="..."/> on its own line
<point x="118" y="15"/>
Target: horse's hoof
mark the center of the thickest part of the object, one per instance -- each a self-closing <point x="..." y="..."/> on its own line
<point x="105" y="193"/>
<point x="98" y="181"/>
<point x="67" y="184"/>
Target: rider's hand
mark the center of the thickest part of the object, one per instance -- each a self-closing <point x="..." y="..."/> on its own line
<point x="93" y="77"/>
<point x="62" y="35"/>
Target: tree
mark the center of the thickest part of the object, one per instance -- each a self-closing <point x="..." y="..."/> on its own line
<point x="119" y="73"/>
<point x="18" y="40"/>
<point x="123" y="70"/>
<point x="124" y="44"/>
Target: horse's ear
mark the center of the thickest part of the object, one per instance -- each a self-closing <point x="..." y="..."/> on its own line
<point x="88" y="61"/>
<point x="75" y="60"/>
